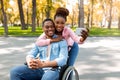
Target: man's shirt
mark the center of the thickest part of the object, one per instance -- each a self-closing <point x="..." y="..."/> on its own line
<point x="58" y="52"/>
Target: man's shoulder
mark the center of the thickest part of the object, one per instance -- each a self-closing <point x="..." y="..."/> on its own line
<point x="63" y="41"/>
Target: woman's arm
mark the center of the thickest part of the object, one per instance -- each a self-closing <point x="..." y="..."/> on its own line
<point x="57" y="39"/>
<point x="42" y="41"/>
<point x="78" y="39"/>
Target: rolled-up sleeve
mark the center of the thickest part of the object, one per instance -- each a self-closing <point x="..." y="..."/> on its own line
<point x="63" y="55"/>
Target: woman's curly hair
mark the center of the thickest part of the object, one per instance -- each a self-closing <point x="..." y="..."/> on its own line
<point x="61" y="12"/>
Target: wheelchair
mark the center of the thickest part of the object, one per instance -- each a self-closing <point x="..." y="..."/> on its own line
<point x="68" y="73"/>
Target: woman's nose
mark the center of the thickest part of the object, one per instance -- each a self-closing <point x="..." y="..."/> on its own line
<point x="59" y="25"/>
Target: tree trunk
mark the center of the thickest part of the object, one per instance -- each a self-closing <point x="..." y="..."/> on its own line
<point x="91" y="13"/>
<point x="73" y="16"/>
<point x="4" y="19"/>
<point x="119" y="22"/>
<point x="33" y="15"/>
<point x="81" y="14"/>
<point x="104" y="13"/>
<point x="88" y="18"/>
<point x="110" y="17"/>
<point x="27" y="12"/>
<point x="21" y="14"/>
<point x="48" y="8"/>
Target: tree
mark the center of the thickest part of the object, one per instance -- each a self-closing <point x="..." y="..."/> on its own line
<point x="81" y="13"/>
<point x="103" y="5"/>
<point x="118" y="22"/>
<point x="110" y="15"/>
<point x="33" y="15"/>
<point x="48" y="8"/>
<point x="91" y="13"/>
<point x="118" y="14"/>
<point x="21" y="14"/>
<point x="4" y="19"/>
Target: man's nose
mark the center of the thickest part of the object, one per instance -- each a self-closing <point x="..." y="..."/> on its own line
<point x="50" y="28"/>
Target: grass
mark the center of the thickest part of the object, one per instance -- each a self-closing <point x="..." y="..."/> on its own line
<point x="104" y="32"/>
<point x="17" y="32"/>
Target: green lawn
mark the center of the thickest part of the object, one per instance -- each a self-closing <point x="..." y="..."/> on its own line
<point x="104" y="32"/>
<point x="16" y="31"/>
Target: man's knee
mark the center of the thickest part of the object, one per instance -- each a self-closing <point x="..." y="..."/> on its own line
<point x="51" y="75"/>
<point x="13" y="71"/>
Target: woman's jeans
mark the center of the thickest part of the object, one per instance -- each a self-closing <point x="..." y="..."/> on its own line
<point x="25" y="73"/>
<point x="73" y="54"/>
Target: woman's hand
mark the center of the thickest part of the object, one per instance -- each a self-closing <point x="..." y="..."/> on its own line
<point x="59" y="38"/>
<point x="84" y="35"/>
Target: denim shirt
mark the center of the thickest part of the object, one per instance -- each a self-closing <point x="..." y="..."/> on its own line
<point x="58" y="52"/>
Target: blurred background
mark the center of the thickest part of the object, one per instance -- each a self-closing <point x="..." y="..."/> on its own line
<point x="29" y="14"/>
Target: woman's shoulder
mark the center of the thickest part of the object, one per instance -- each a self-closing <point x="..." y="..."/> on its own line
<point x="67" y="29"/>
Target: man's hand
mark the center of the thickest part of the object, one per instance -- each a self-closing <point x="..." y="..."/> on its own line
<point x="34" y="63"/>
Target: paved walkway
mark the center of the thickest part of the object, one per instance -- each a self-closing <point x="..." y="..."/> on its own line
<point x="98" y="58"/>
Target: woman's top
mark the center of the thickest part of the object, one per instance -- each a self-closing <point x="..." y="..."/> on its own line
<point x="67" y="34"/>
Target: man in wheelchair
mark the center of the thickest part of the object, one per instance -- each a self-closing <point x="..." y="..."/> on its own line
<point x="49" y="58"/>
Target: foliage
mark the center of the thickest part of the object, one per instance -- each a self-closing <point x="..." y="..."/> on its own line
<point x="100" y="10"/>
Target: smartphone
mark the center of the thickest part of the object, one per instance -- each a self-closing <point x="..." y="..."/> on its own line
<point x="79" y="30"/>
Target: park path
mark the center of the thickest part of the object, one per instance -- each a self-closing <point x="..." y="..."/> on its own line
<point x="98" y="57"/>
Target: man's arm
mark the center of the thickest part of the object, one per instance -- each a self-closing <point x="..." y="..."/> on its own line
<point x="63" y="55"/>
<point x="30" y="58"/>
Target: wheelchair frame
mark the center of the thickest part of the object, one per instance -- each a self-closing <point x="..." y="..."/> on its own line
<point x="66" y="71"/>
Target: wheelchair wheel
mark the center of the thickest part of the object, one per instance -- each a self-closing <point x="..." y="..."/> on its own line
<point x="70" y="74"/>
